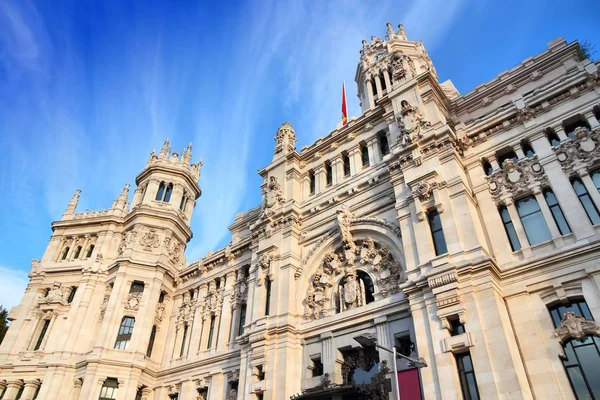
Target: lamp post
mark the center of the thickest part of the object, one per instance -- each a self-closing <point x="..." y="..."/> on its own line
<point x="367" y="340"/>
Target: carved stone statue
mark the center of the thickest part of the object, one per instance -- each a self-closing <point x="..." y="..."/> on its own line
<point x="352" y="291"/>
<point x="232" y="394"/>
<point x="411" y="123"/>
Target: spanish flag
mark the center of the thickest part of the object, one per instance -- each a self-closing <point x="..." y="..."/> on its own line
<point x="344" y="107"/>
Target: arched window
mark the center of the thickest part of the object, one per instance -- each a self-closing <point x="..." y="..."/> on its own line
<point x="183" y="201"/>
<point x="161" y="191"/>
<point x="487" y="167"/>
<point x="65" y="253"/>
<point x="581" y="356"/>
<point x="110" y="389"/>
<point x="90" y="251"/>
<point x="77" y="252"/>
<point x="552" y="137"/>
<point x="168" y="193"/>
<point x="368" y="283"/>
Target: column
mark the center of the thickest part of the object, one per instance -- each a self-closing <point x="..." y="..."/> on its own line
<point x="11" y="390"/>
<point x="305" y="188"/>
<point x="56" y="383"/>
<point x="337" y="169"/>
<point x="234" y="325"/>
<point x="371" y="99"/>
<point x="176" y="196"/>
<point x="355" y="161"/>
<point x="386" y="78"/>
<point x="77" y="385"/>
<point x="494" y="162"/>
<point x="374" y="151"/>
<point x="516" y="220"/>
<point x="591" y="119"/>
<point x="539" y="196"/>
<point x="196" y="334"/>
<point x="320" y="179"/>
<point x="226" y="313"/>
<point x="215" y="335"/>
<point x="178" y="340"/>
<point x="128" y="388"/>
<point x="519" y="151"/>
<point x="204" y="335"/>
<point x="31" y="386"/>
<point x="560" y="131"/>
<point x="2" y="388"/>
<point x="150" y="191"/>
<point x="378" y="85"/>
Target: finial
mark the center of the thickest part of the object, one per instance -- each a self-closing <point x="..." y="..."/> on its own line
<point x="402" y="32"/>
<point x="166" y="149"/>
<point x="389" y="31"/>
<point x="73" y="202"/>
<point x="121" y="201"/>
<point x="364" y="44"/>
<point x="186" y="154"/>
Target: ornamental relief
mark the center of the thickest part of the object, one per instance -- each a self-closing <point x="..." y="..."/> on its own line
<point x="345" y="265"/>
<point x="186" y="310"/>
<point x="515" y="179"/>
<point x="574" y="326"/>
<point x="410" y="122"/>
<point x="239" y="294"/>
<point x="213" y="301"/>
<point x="173" y="248"/>
<point x="581" y="152"/>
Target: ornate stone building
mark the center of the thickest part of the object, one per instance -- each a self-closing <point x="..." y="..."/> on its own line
<point x="460" y="229"/>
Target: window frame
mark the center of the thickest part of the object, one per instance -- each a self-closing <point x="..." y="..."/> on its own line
<point x="532" y="216"/>
<point x="124" y="333"/>
<point x="42" y="335"/>
<point x="242" y="319"/>
<point x="509" y="229"/>
<point x="588" y="206"/>
<point x="211" y="332"/>
<point x="150" y="347"/>
<point x="463" y="375"/>
<point x="559" y="217"/>
<point x="110" y="383"/>
<point x="439" y="247"/>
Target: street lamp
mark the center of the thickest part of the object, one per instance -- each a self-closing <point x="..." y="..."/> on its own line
<point x="369" y="340"/>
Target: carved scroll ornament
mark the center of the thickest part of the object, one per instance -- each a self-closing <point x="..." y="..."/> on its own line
<point x="574" y="326"/>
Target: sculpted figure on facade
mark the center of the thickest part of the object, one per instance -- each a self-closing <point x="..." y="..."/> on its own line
<point x="54" y="294"/>
<point x="516" y="178"/>
<point x="574" y="326"/>
<point x="263" y="267"/>
<point x="580" y="153"/>
<point x="186" y="313"/>
<point x="351" y="291"/>
<point x="411" y="123"/>
<point x="239" y="293"/>
<point x="128" y="240"/>
<point x="150" y="239"/>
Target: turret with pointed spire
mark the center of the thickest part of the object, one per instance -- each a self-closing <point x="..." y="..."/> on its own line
<point x="285" y="140"/>
<point x="73" y="203"/>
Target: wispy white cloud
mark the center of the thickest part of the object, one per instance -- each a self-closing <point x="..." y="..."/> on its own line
<point x="13" y="283"/>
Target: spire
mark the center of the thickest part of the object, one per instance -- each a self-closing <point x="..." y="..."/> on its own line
<point x="285" y="140"/>
<point x="166" y="149"/>
<point x="121" y="201"/>
<point x="186" y="155"/>
<point x="73" y="203"/>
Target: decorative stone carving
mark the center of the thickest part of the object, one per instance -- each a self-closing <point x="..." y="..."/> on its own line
<point x="186" y="312"/>
<point x="574" y="326"/>
<point x="133" y="302"/>
<point x="515" y="179"/>
<point x="159" y="313"/>
<point x="273" y="198"/>
<point x="174" y="250"/>
<point x="423" y="190"/>
<point x="581" y="152"/>
<point x="104" y="304"/>
<point x="239" y="295"/>
<point x="150" y="239"/>
<point x="285" y="138"/>
<point x="410" y="124"/>
<point x="73" y="202"/>
<point x="344" y="264"/>
<point x="344" y="219"/>
<point x="263" y="267"/>
<point x="213" y="301"/>
<point x="232" y="395"/>
<point x="95" y="265"/>
<point x="55" y="294"/>
<point x="127" y="241"/>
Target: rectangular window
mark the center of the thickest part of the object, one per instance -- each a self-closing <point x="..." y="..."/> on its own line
<point x="183" y="202"/>
<point x="242" y="321"/>
<point x="383" y="144"/>
<point x="346" y="162"/>
<point x="151" y="341"/>
<point x="586" y="201"/>
<point x="43" y="332"/>
<point x="466" y="374"/>
<point x="125" y="332"/>
<point x="268" y="296"/>
<point x="557" y="213"/>
<point x="456" y="327"/>
<point x="110" y="389"/>
<point x="77" y="252"/>
<point x="533" y="220"/>
<point x="311" y="176"/>
<point x="90" y="251"/>
<point x="72" y="294"/>
<point x="211" y="332"/>
<point x="317" y="366"/>
<point x="185" y="331"/>
<point x="437" y="233"/>
<point x="509" y="228"/>
<point x="328" y="174"/>
<point x="364" y="154"/>
<point x="137" y="288"/>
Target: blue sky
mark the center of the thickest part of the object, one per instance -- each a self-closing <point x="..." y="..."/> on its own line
<point x="89" y="88"/>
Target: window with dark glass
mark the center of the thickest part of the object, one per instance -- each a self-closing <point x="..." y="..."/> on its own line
<point x="374" y="86"/>
<point x="557" y="213"/>
<point x="185" y="332"/>
<point x="151" y="341"/>
<point x="138" y="394"/>
<point x="573" y="123"/>
<point x="72" y="294"/>
<point x="364" y="154"/>
<point x="183" y="201"/>
<point x="586" y="201"/>
<point x="77" y="252"/>
<point x="533" y="220"/>
<point x="552" y="137"/>
<point x="317" y="366"/>
<point x="161" y="191"/>
<point x="168" y="193"/>
<point x="110" y="389"/>
<point x="137" y="288"/>
<point x="161" y="298"/>
<point x="328" y="174"/>
<point x="437" y="233"/>
<point x="124" y="334"/>
<point x="42" y="334"/>
<point x="346" y="162"/>
<point x="527" y="149"/>
<point x="90" y="251"/>
<point x="466" y="374"/>
<point x="211" y="332"/>
<point x="384" y="144"/>
<point x="456" y="327"/>
<point x="65" y="253"/>
<point x="260" y="373"/>
<point x="507" y="155"/>
<point x="311" y="176"/>
<point x="267" y="296"/>
<point x="509" y="228"/>
<point x="242" y="321"/>
<point x="487" y="167"/>
<point x="404" y="345"/>
<point x="582" y="357"/>
<point x="382" y="80"/>
<point x="596" y="179"/>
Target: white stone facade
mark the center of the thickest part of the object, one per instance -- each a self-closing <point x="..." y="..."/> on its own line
<point x="342" y="244"/>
